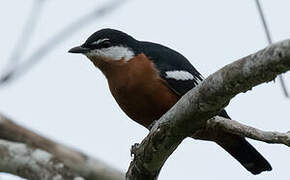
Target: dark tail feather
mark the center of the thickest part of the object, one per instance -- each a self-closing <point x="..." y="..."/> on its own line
<point x="244" y="152"/>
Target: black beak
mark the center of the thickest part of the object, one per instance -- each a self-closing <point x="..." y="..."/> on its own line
<point x="79" y="50"/>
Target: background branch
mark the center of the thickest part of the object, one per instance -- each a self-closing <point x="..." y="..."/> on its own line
<point x="84" y="165"/>
<point x="18" y="70"/>
<point x="26" y="35"/>
<point x="34" y="164"/>
<point x="192" y="111"/>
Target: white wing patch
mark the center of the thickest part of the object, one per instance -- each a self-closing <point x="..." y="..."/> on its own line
<point x="179" y="75"/>
<point x="113" y="52"/>
<point x="183" y="76"/>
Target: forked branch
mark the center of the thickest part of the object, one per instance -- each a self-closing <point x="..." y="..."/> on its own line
<point x="191" y="113"/>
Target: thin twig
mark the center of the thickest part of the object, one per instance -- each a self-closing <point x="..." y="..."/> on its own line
<point x="58" y="38"/>
<point x="29" y="28"/>
<point x="234" y="127"/>
<point x="264" y="22"/>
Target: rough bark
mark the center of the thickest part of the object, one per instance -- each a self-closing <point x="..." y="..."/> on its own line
<point x="84" y="165"/>
<point x="222" y="124"/>
<point x="35" y="164"/>
<point x="192" y="111"/>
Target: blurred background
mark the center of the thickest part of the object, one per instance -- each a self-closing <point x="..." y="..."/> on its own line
<point x="64" y="97"/>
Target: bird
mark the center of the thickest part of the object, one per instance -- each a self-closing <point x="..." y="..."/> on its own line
<point x="146" y="79"/>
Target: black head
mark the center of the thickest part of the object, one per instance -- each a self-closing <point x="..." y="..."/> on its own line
<point x="108" y="37"/>
<point x="107" y="43"/>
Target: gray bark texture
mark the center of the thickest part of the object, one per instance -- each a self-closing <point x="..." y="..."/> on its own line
<point x="219" y="123"/>
<point x="34" y="164"/>
<point x="190" y="115"/>
<point x="84" y="165"/>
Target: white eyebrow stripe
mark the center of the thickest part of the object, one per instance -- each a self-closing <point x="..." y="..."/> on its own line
<point x="99" y="41"/>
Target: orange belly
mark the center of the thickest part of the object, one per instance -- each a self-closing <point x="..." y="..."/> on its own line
<point x="139" y="90"/>
<point x="144" y="103"/>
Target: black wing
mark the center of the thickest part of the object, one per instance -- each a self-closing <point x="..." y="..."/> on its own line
<point x="167" y="60"/>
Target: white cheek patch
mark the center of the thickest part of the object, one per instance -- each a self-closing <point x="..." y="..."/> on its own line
<point x="181" y="76"/>
<point x="114" y="52"/>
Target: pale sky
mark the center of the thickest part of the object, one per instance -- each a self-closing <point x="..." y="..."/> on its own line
<point x="66" y="98"/>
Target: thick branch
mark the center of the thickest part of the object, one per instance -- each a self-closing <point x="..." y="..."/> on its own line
<point x="87" y="167"/>
<point x="34" y="164"/>
<point x="202" y="103"/>
<point x="219" y="123"/>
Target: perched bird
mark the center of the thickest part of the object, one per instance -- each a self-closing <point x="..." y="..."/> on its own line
<point x="147" y="79"/>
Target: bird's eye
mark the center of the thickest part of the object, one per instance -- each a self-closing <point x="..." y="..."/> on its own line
<point x="105" y="44"/>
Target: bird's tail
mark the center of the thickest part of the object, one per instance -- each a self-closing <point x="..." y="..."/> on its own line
<point x="244" y="152"/>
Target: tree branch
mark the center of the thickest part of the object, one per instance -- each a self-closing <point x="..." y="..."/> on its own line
<point x="84" y="165"/>
<point x="192" y="111"/>
<point x="234" y="127"/>
<point x="34" y="164"/>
